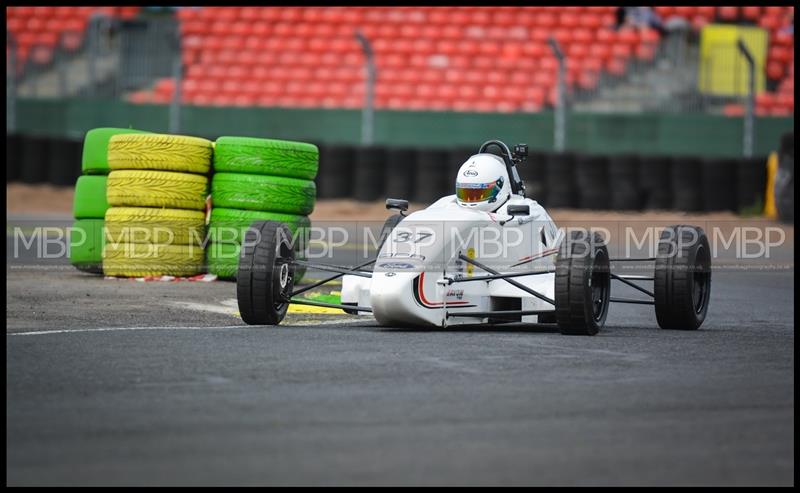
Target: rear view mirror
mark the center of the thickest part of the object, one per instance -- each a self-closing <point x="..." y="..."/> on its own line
<point x="397" y="204"/>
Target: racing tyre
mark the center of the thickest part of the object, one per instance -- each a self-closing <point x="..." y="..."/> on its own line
<point x="223" y="261"/>
<point x="94" y="160"/>
<point x="263" y="193"/>
<point x="265" y="277"/>
<point x="151" y="259"/>
<point x="160" y="152"/>
<point x="266" y="157"/>
<point x="86" y="240"/>
<point x="370" y="173"/>
<point x="157" y="189"/>
<point x="90" y="197"/>
<point x="682" y="278"/>
<point x="583" y="284"/>
<point x="229" y="225"/>
<point x="152" y="225"/>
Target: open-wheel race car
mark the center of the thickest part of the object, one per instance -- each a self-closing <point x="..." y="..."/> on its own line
<point x="434" y="267"/>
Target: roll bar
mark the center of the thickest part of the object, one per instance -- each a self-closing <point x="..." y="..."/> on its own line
<point x="511" y="159"/>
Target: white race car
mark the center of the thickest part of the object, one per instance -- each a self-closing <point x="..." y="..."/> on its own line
<point x="486" y="255"/>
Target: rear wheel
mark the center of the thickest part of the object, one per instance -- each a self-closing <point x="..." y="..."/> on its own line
<point x="265" y="277"/>
<point x="583" y="284"/>
<point x="682" y="278"/>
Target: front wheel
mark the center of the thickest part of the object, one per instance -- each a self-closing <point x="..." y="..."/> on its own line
<point x="583" y="284"/>
<point x="265" y="279"/>
<point x="682" y="278"/>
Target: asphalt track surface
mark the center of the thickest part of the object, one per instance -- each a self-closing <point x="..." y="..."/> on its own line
<point x="125" y="383"/>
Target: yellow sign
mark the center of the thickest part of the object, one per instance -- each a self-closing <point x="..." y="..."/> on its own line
<point x="723" y="70"/>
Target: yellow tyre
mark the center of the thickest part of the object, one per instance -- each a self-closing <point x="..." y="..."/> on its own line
<point x="151" y="259"/>
<point x="149" y="225"/>
<point x="160" y="152"/>
<point x="157" y="189"/>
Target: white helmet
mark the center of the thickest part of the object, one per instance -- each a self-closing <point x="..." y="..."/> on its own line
<point x="482" y="183"/>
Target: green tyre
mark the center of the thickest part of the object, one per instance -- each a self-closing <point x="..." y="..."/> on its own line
<point x="94" y="160"/>
<point x="86" y="240"/>
<point x="266" y="157"/>
<point x="90" y="200"/>
<point x="263" y="193"/>
<point x="229" y="225"/>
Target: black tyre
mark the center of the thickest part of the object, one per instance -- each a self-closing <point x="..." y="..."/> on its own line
<point x="431" y="176"/>
<point x="370" y="173"/>
<point x="719" y="185"/>
<point x="751" y="175"/>
<point x="265" y="277"/>
<point x="401" y="168"/>
<point x="336" y="168"/>
<point x="655" y="179"/>
<point x="559" y="181"/>
<point x="12" y="157"/>
<point x="682" y="278"/>
<point x="687" y="184"/>
<point x="626" y="192"/>
<point x="583" y="284"/>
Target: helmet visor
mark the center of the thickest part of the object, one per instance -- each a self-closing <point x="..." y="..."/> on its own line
<point x="477" y="192"/>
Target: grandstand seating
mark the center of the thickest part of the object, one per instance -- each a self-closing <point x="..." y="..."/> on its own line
<point x="39" y="30"/>
<point x="440" y="58"/>
<point x="465" y="58"/>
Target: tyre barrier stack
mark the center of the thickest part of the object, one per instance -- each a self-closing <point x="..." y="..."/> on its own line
<point x="400" y="175"/>
<point x="751" y="185"/>
<point x="431" y="178"/>
<point x="90" y="201"/>
<point x="591" y="175"/>
<point x="655" y="182"/>
<point x="687" y="182"/>
<point x="335" y="179"/>
<point x="259" y="179"/>
<point x="560" y="183"/>
<point x="533" y="174"/>
<point x="556" y="180"/>
<point x="623" y="175"/>
<point x="157" y="191"/>
<point x="719" y="178"/>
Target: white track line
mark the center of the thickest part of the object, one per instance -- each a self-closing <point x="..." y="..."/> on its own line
<point x="300" y="323"/>
<point x="205" y="308"/>
<point x="115" y="329"/>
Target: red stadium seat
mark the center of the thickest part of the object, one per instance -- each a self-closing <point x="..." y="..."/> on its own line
<point x="751" y="13"/>
<point x="429" y="57"/>
<point x="600" y="51"/>
<point x="775" y="70"/>
<point x="728" y="13"/>
<point x="629" y="37"/>
<point x="770" y="23"/>
<point x="780" y="54"/>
